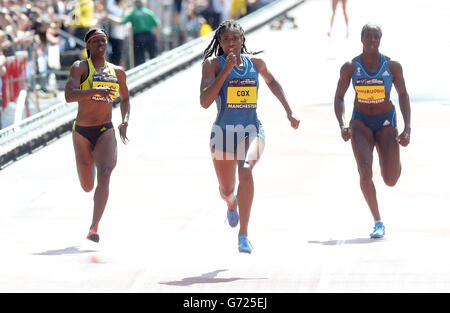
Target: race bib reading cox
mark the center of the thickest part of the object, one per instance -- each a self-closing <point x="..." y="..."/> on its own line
<point x="242" y="93"/>
<point x="370" y="90"/>
<point x="102" y="81"/>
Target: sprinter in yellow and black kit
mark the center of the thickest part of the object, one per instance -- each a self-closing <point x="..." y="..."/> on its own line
<point x="94" y="84"/>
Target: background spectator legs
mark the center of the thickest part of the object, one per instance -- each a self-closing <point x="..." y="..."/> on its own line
<point x="144" y="43"/>
<point x="116" y="47"/>
<point x="80" y="32"/>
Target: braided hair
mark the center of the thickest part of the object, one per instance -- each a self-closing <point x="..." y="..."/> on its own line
<point x="214" y="46"/>
<point x="90" y="33"/>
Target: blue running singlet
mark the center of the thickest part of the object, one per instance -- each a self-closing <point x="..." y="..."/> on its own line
<point x="372" y="88"/>
<point x="236" y="107"/>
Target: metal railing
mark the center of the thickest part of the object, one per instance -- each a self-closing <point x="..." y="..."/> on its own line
<point x="37" y="130"/>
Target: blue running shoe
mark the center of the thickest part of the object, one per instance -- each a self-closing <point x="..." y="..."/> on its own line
<point x="244" y="244"/>
<point x="378" y="230"/>
<point x="233" y="215"/>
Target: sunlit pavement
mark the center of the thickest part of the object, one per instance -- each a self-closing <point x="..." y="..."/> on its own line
<point x="164" y="227"/>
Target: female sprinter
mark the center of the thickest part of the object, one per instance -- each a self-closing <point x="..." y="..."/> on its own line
<point x="237" y="140"/>
<point x="94" y="84"/>
<point x="374" y="122"/>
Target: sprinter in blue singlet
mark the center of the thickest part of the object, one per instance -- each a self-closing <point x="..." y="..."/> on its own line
<point x="373" y="122"/>
<point x="236" y="108"/>
<point x="230" y="77"/>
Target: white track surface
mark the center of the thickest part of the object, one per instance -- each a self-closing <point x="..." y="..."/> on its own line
<point x="163" y="229"/>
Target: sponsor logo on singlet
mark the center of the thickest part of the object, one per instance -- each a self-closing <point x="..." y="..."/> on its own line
<point x="102" y="81"/>
<point x="370" y="90"/>
<point x="242" y="93"/>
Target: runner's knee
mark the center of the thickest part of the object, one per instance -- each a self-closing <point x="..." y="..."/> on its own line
<point x="87" y="187"/>
<point x="104" y="175"/>
<point x="226" y="191"/>
<point x="245" y="174"/>
<point x="391" y="180"/>
<point x="365" y="172"/>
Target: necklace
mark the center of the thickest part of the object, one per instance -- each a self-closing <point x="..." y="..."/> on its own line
<point x="101" y="69"/>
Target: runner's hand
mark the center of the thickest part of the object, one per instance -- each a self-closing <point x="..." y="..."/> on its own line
<point x="294" y="121"/>
<point x="346" y="133"/>
<point x="403" y="138"/>
<point x="106" y="92"/>
<point x="230" y="62"/>
<point x="123" y="133"/>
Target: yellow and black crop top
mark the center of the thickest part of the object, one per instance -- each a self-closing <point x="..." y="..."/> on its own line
<point x="95" y="80"/>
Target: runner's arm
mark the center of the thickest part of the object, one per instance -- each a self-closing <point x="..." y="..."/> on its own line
<point x="403" y="98"/>
<point x="211" y="84"/>
<point x="272" y="83"/>
<point x="72" y="91"/>
<point x="339" y="105"/>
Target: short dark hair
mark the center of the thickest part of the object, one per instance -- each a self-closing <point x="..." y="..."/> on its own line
<point x="371" y="26"/>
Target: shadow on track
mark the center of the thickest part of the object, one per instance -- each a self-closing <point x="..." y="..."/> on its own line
<point x="347" y="241"/>
<point x="68" y="250"/>
<point x="207" y="278"/>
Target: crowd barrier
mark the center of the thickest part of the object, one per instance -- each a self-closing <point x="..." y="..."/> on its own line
<point x="38" y="129"/>
<point x="15" y="78"/>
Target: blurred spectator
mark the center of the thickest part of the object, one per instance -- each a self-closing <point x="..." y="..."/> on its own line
<point x="226" y="12"/>
<point x="7" y="33"/>
<point x="177" y="7"/>
<point x="118" y="32"/>
<point x="238" y="9"/>
<point x="2" y="66"/>
<point x="2" y="73"/>
<point x="334" y="4"/>
<point x="216" y="9"/>
<point x="145" y="31"/>
<point x="53" y="51"/>
<point x="193" y="24"/>
<point x="56" y="9"/>
<point x="40" y="27"/>
<point x="6" y="44"/>
<point x="83" y="17"/>
<point x="205" y="29"/>
<point x="179" y="17"/>
<point x="253" y="5"/>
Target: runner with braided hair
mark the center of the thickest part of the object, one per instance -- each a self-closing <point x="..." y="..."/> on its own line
<point x="214" y="46"/>
<point x="230" y="77"/>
